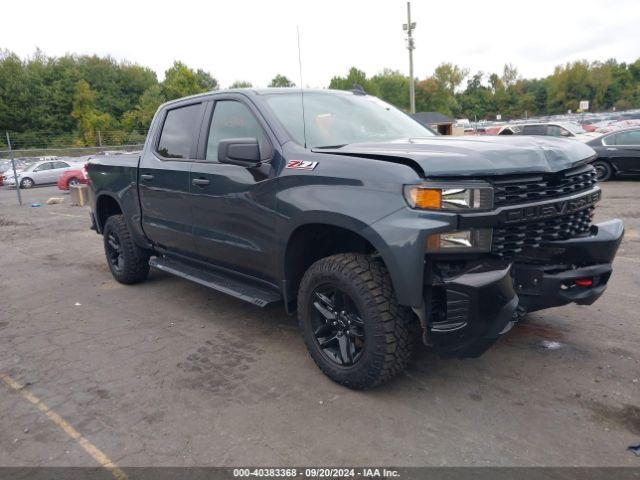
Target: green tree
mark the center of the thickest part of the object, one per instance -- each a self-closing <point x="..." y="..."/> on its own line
<point x="181" y="81"/>
<point x="353" y="78"/>
<point x="205" y="81"/>
<point x="241" y="84"/>
<point x="393" y="87"/>
<point x="281" y="81"/>
<point x="88" y="119"/>
<point x="139" y="119"/>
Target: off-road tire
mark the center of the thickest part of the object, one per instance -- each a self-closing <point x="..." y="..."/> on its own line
<point x="26" y="183"/>
<point x="604" y="170"/>
<point x="387" y="325"/>
<point x="136" y="260"/>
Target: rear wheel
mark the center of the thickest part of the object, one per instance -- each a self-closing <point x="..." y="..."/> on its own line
<point x="26" y="183"/>
<point x="128" y="263"/>
<point x="604" y="171"/>
<point x="352" y="325"/>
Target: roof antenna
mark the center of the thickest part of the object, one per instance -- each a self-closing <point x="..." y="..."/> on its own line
<point x="304" y="124"/>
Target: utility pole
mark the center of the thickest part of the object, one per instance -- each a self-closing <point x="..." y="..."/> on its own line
<point x="13" y="165"/>
<point x="409" y="27"/>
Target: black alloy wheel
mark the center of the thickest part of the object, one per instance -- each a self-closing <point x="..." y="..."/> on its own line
<point x="115" y="254"/>
<point x="337" y="325"/>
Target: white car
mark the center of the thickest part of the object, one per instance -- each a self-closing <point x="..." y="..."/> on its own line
<point x="549" y="129"/>
<point x="40" y="173"/>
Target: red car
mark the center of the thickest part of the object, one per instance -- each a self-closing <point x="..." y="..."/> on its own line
<point x="71" y="178"/>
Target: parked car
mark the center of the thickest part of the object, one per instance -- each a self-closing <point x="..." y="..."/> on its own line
<point x="564" y="129"/>
<point x="372" y="228"/>
<point x="40" y="173"/>
<point x="618" y="153"/>
<point x="71" y="178"/>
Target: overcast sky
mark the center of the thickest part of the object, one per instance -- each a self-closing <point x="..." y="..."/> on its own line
<point x="254" y="40"/>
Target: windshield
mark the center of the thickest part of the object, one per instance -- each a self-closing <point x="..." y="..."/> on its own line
<point x="334" y="120"/>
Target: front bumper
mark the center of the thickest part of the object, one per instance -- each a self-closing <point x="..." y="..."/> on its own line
<point x="470" y="309"/>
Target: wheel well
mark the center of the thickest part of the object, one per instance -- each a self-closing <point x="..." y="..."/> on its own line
<point x="309" y="243"/>
<point x="105" y="208"/>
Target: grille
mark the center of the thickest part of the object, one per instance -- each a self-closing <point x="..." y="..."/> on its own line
<point x="530" y="188"/>
<point x="510" y="240"/>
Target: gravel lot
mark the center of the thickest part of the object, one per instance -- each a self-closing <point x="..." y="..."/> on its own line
<point x="171" y="373"/>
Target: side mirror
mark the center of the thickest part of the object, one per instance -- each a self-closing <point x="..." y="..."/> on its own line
<point x="239" y="151"/>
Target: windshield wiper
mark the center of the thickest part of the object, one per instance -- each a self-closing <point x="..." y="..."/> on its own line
<point x="333" y="146"/>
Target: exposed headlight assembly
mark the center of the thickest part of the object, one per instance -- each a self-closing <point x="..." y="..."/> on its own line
<point x="462" y="241"/>
<point x="452" y="197"/>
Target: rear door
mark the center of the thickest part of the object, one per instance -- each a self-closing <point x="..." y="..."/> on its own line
<point x="624" y="151"/>
<point x="233" y="206"/>
<point x="164" y="181"/>
<point x="59" y="167"/>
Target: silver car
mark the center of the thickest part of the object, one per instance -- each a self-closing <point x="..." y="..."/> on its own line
<point x="40" y="173"/>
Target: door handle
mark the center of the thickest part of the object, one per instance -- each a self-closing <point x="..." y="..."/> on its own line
<point x="200" y="182"/>
<point x="146" y="177"/>
<point x="612" y="149"/>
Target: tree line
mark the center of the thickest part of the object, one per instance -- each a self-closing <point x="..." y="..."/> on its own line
<point x="607" y="85"/>
<point x="90" y="100"/>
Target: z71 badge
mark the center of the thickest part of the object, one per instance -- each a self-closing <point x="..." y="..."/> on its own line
<point x="301" y="164"/>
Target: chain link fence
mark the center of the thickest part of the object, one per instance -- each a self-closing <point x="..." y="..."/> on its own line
<point x="33" y="145"/>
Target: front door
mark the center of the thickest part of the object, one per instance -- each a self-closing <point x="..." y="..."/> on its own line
<point x="44" y="173"/>
<point x="233" y="207"/>
<point x="164" y="180"/>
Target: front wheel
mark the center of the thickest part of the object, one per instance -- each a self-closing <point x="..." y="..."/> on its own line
<point x="26" y="183"/>
<point x="73" y="181"/>
<point x="352" y="325"/>
<point x="604" y="171"/>
<point x="128" y="262"/>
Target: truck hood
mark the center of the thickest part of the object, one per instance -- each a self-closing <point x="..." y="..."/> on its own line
<point x="475" y="156"/>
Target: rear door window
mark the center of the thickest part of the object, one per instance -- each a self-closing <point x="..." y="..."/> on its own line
<point x="628" y="138"/>
<point x="178" y="132"/>
<point x="557" y="131"/>
<point x="44" y="166"/>
<point x="534" y="130"/>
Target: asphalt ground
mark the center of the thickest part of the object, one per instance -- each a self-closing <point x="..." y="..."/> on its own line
<point x="168" y="372"/>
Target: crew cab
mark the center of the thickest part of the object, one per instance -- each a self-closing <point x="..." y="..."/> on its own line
<point x="347" y="211"/>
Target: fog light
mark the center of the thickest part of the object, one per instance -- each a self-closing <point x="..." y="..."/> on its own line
<point x="474" y="240"/>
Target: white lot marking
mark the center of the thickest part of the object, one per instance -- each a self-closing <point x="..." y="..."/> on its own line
<point x="90" y="448"/>
<point x="65" y="215"/>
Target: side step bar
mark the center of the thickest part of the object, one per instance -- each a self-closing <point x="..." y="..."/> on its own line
<point x="220" y="281"/>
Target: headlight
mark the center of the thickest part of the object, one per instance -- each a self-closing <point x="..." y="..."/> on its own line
<point x="474" y="240"/>
<point x="449" y="197"/>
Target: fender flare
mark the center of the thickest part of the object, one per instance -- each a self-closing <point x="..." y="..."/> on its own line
<point x="346" y="222"/>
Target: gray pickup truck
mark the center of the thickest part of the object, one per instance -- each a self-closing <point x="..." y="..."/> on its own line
<point x="344" y="209"/>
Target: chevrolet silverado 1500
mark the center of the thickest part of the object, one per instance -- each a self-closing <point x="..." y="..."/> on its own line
<point x="374" y="230"/>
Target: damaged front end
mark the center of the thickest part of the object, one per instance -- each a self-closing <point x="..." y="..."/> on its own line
<point x="543" y="254"/>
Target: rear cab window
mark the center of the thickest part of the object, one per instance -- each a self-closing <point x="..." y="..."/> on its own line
<point x="179" y="130"/>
